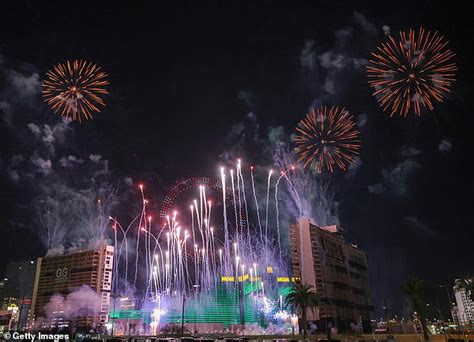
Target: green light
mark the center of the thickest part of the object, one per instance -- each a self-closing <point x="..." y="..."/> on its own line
<point x="218" y="306"/>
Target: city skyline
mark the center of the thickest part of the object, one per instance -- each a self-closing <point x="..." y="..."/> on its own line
<point x="191" y="89"/>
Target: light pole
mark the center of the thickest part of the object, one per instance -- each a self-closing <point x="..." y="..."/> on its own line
<point x="195" y="286"/>
<point x="389" y="330"/>
<point x="182" y="316"/>
<point x="242" y="291"/>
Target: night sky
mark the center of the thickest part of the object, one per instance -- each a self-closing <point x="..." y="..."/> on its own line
<point x="182" y="78"/>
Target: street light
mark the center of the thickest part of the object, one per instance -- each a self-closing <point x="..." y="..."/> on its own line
<point x="182" y="316"/>
<point x="195" y="286"/>
<point x="389" y="330"/>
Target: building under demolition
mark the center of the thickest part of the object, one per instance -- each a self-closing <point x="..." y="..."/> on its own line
<point x="58" y="277"/>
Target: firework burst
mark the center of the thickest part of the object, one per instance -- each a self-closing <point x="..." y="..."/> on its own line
<point x="411" y="72"/>
<point x="326" y="138"/>
<point x="75" y="89"/>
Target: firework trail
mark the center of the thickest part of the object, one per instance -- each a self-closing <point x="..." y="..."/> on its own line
<point x="283" y="174"/>
<point x="118" y="252"/>
<point x="52" y="215"/>
<point x="267" y="204"/>
<point x="244" y="196"/>
<point x="296" y="194"/>
<point x="237" y="225"/>
<point x="411" y="72"/>
<point x="256" y="204"/>
<point x="75" y="89"/>
<point x="169" y="276"/>
<point x="310" y="194"/>
<point x="278" y="216"/>
<point x="138" y="235"/>
<point x="240" y="223"/>
<point x="148" y="254"/>
<point x="224" y="213"/>
<point x="194" y="241"/>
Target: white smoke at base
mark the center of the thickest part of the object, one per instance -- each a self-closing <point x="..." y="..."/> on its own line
<point x="80" y="303"/>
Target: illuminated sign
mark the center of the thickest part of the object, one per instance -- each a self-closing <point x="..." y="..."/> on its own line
<point x="240" y="278"/>
<point x="13" y="308"/>
<point x="245" y="277"/>
<point x="287" y="279"/>
<point x="227" y="278"/>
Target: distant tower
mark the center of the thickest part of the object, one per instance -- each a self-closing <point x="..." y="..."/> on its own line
<point x="18" y="290"/>
<point x="465" y="306"/>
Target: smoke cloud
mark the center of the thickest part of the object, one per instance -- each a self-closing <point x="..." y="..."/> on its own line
<point x="395" y="180"/>
<point x="82" y="302"/>
<point x="67" y="195"/>
<point x="445" y="146"/>
<point x="302" y="193"/>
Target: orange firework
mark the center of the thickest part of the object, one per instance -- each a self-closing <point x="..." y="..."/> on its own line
<point x="326" y="138"/>
<point x="411" y="72"/>
<point x="75" y="89"/>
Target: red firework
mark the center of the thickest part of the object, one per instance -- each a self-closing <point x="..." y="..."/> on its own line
<point x="75" y="89"/>
<point x="411" y="72"/>
<point x="326" y="138"/>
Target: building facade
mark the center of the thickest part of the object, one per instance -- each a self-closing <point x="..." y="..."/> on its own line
<point x="66" y="274"/>
<point x="337" y="270"/>
<point x="465" y="306"/>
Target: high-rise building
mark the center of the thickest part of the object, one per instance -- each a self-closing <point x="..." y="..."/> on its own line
<point x="465" y="306"/>
<point x="337" y="270"/>
<point x="18" y="291"/>
<point x="64" y="275"/>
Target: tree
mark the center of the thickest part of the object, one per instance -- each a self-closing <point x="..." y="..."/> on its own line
<point x="302" y="297"/>
<point x="415" y="288"/>
<point x="466" y="284"/>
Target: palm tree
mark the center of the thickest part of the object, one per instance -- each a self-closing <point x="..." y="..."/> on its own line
<point x="466" y="284"/>
<point x="302" y="297"/>
<point x="415" y="288"/>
